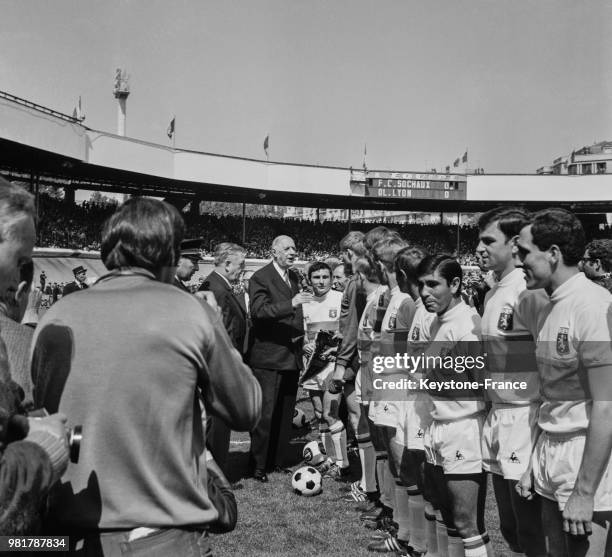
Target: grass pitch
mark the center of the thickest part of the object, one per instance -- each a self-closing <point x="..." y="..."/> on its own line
<point x="272" y="520"/>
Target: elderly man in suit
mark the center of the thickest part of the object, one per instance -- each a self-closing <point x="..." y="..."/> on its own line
<point x="79" y="282"/>
<point x="229" y="263"/>
<point x="278" y="331"/>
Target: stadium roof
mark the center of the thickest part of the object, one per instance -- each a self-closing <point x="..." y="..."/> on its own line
<point x="41" y="144"/>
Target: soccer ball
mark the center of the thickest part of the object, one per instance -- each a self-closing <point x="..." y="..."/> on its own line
<point x="307" y="481"/>
<point x="312" y="454"/>
<point x="299" y="418"/>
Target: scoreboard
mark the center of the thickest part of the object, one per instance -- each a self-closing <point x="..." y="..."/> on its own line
<point x="401" y="185"/>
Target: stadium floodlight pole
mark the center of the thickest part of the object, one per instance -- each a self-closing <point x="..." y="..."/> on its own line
<point x="243" y="223"/>
<point x="458" y="231"/>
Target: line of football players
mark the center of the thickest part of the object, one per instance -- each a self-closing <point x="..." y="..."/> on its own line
<point x="425" y="453"/>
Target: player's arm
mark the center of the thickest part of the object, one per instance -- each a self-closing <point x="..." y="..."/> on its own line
<point x="578" y="511"/>
<point x="348" y="325"/>
<point x="524" y="487"/>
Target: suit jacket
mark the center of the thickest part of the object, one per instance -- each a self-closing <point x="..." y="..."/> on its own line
<point x="233" y="312"/>
<point x="179" y="284"/>
<point x="278" y="327"/>
<point x="18" y="339"/>
<point x="72" y="287"/>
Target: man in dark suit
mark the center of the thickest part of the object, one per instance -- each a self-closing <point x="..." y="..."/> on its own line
<point x="79" y="283"/>
<point x="229" y="263"/>
<point x="278" y="331"/>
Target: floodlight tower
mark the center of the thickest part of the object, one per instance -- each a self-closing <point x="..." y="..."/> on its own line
<point x="121" y="92"/>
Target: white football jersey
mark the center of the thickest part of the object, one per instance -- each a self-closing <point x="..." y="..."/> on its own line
<point x="509" y="328"/>
<point x="575" y="336"/>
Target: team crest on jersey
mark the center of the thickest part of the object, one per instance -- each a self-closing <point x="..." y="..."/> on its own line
<point x="420" y="434"/>
<point x="392" y="321"/>
<point x="563" y="341"/>
<point x="333" y="313"/>
<point x="416" y="333"/>
<point x="504" y="321"/>
<point x="515" y="459"/>
<point x="459" y="456"/>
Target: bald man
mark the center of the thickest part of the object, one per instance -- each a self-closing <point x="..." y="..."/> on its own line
<point x="275" y="357"/>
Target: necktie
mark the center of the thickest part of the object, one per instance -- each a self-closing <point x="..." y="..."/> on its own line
<point x="287" y="281"/>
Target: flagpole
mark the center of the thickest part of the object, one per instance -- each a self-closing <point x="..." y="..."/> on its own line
<point x="174" y="135"/>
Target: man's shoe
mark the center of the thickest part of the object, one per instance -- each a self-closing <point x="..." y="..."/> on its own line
<point x="260" y="476"/>
<point x="355" y="486"/>
<point x="356" y="497"/>
<point x="388" y="545"/>
<point x="336" y="473"/>
<point x="373" y="514"/>
<point x="368" y="506"/>
<point x="384" y="523"/>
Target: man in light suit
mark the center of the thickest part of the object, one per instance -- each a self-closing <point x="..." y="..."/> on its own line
<point x="229" y="263"/>
<point x="278" y="330"/>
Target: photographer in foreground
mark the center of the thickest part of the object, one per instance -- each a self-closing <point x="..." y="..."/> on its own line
<point x="125" y="358"/>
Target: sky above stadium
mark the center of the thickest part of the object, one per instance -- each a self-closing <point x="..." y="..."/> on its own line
<point x="516" y="83"/>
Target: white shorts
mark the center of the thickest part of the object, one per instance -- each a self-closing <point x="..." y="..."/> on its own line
<point x="508" y="438"/>
<point x="556" y="461"/>
<point x="455" y="445"/>
<point x="385" y="413"/>
<point x="318" y="382"/>
<point x="415" y="418"/>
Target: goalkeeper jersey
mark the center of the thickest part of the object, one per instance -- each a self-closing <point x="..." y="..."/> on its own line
<point x="322" y="314"/>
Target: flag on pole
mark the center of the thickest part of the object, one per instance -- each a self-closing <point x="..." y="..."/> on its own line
<point x="464" y="158"/>
<point x="365" y="155"/>
<point x="266" y="144"/>
<point x="77" y="113"/>
<point x="456" y="163"/>
<point x="170" y="130"/>
<point x="448" y="169"/>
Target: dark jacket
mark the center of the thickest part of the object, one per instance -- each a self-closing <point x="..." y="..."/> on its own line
<point x="73" y="287"/>
<point x="278" y="327"/>
<point x="232" y="311"/>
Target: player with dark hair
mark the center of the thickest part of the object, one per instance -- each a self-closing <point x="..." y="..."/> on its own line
<point x="509" y="325"/>
<point x="571" y="460"/>
<point x="321" y="316"/>
<point x="596" y="262"/>
<point x="452" y="440"/>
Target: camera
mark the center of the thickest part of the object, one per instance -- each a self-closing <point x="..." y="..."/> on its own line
<point x="74" y="435"/>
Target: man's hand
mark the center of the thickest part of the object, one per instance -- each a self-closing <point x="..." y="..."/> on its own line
<point x="54" y="425"/>
<point x="301" y="298"/>
<point x="524" y="487"/>
<point x="209" y="298"/>
<point x="578" y="514"/>
<point x="309" y="348"/>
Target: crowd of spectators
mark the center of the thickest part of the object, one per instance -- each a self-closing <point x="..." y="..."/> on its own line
<point x="78" y="227"/>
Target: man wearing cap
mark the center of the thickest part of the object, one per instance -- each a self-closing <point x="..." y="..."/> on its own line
<point x="188" y="263"/>
<point x="80" y="282"/>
